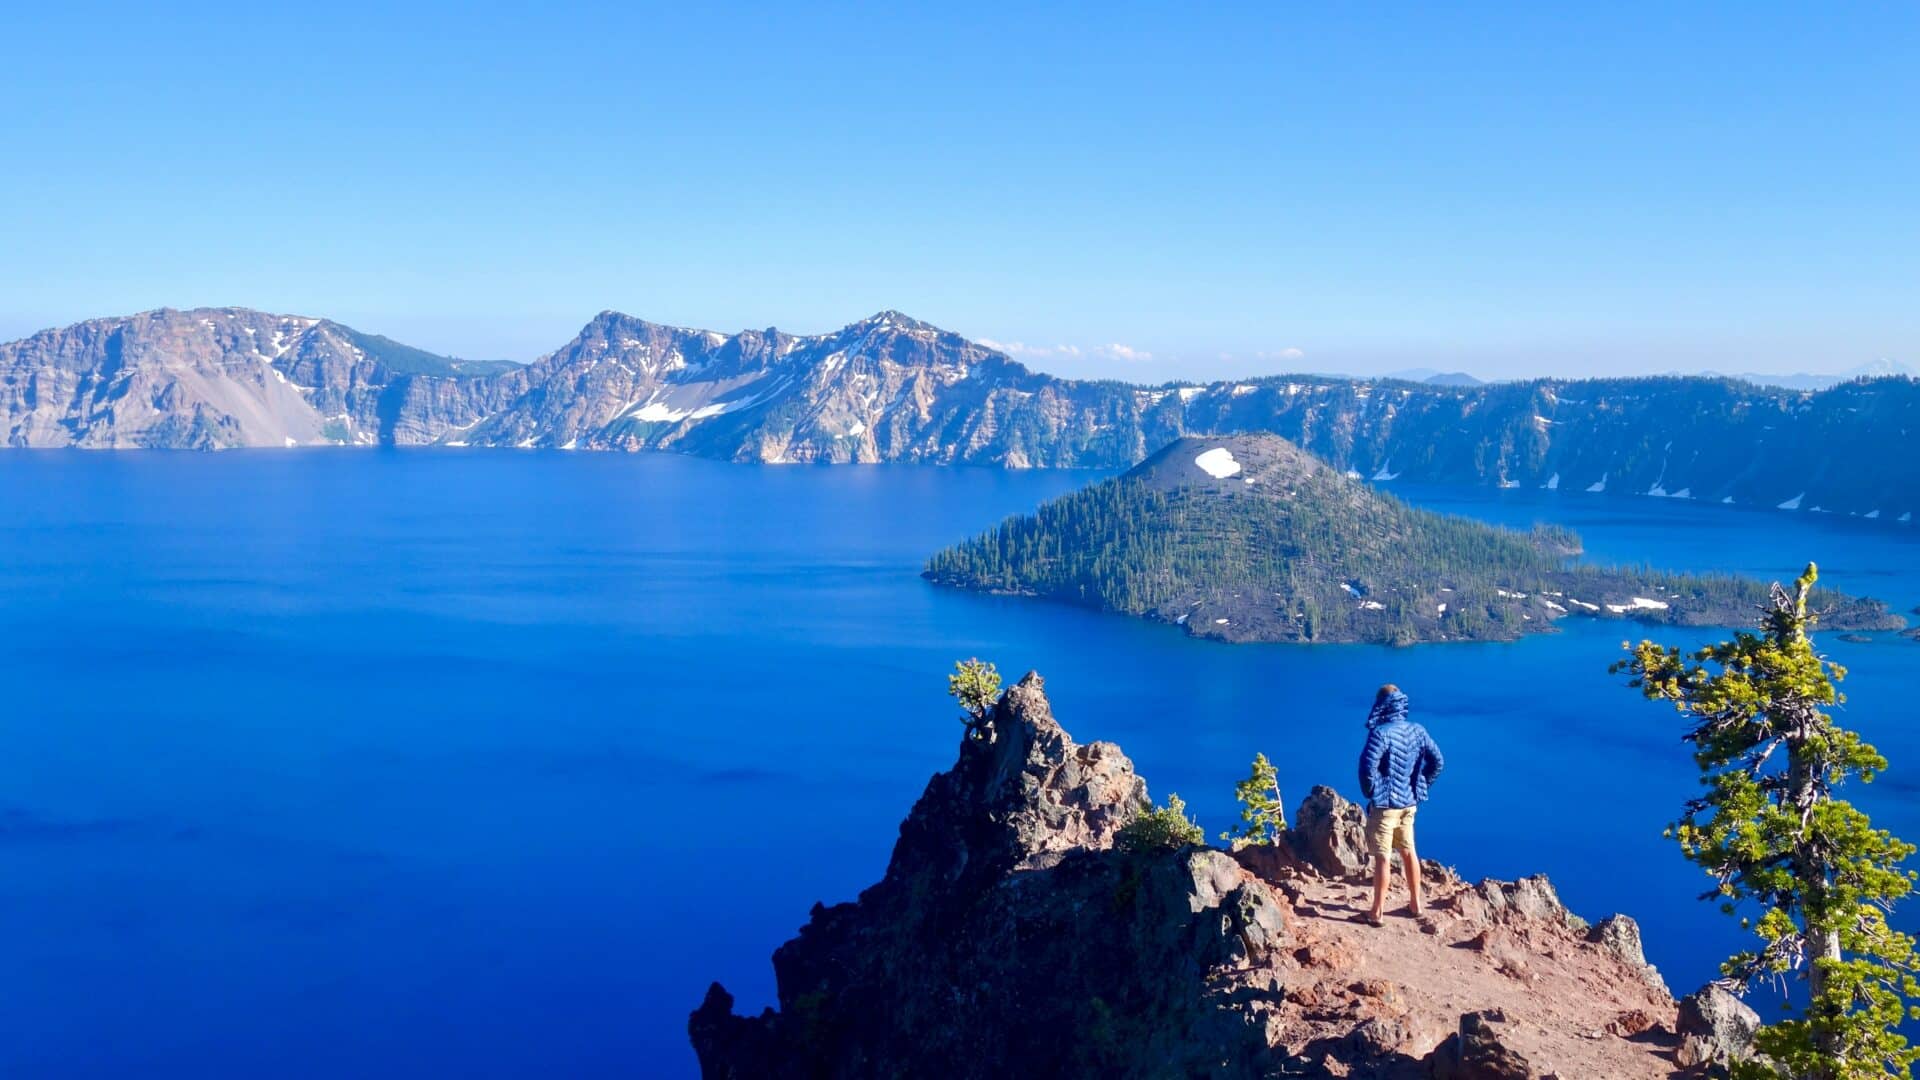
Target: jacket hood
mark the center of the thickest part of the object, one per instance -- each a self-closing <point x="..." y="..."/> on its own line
<point x="1388" y="709"/>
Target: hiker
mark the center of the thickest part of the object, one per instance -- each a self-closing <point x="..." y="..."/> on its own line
<point x="1397" y="765"/>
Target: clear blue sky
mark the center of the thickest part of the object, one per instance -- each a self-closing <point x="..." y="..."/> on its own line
<point x="1141" y="192"/>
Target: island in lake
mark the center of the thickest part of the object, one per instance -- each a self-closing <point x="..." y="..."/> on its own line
<point x="1251" y="538"/>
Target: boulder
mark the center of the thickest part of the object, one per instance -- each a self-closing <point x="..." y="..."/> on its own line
<point x="1330" y="834"/>
<point x="1631" y="1023"/>
<point x="1716" y="1026"/>
<point x="1273" y="863"/>
<point x="1378" y="1037"/>
<point x="1479" y="1051"/>
<point x="1620" y="935"/>
<point x="1533" y="897"/>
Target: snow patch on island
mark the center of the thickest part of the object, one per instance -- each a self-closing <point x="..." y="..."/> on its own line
<point x="1598" y="485"/>
<point x="1640" y="603"/>
<point x="1218" y="463"/>
<point x="1793" y="503"/>
<point x="1553" y="482"/>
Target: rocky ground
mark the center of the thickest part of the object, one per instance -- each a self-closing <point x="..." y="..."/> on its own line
<point x="1009" y="937"/>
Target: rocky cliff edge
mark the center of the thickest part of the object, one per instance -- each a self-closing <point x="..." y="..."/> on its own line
<point x="1010" y="938"/>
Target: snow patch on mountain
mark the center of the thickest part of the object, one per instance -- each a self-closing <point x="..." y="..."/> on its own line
<point x="1217" y="463"/>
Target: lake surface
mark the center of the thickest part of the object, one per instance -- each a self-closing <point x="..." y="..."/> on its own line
<point x="421" y="763"/>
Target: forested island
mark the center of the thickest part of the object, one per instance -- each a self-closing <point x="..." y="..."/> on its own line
<point x="1250" y="538"/>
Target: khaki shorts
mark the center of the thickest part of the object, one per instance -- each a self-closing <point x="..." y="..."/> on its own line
<point x="1389" y="830"/>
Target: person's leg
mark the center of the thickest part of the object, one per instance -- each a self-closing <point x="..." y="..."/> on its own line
<point x="1409" y="858"/>
<point x="1380" y="843"/>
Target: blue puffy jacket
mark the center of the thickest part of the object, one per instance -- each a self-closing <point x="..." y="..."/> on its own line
<point x="1400" y="759"/>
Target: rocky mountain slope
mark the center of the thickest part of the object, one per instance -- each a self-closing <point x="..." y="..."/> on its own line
<point x="1250" y="538"/>
<point x="890" y="388"/>
<point x="213" y="378"/>
<point x="1009" y="938"/>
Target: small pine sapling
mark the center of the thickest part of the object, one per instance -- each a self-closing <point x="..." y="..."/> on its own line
<point x="1262" y="817"/>
<point x="976" y="686"/>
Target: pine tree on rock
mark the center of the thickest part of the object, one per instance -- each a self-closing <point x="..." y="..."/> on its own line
<point x="1775" y="838"/>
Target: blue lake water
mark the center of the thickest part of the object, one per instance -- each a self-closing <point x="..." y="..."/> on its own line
<point x="391" y="764"/>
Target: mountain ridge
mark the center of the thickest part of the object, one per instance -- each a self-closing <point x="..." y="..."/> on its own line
<point x="890" y="388"/>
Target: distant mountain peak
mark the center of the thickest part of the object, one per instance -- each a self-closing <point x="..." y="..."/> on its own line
<point x="1435" y="377"/>
<point x="1883" y="368"/>
<point x="1228" y="463"/>
<point x="893" y="318"/>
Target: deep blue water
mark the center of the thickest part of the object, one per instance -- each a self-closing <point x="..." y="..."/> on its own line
<point x="385" y="764"/>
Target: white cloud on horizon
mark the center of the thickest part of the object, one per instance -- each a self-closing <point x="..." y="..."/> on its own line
<point x="1110" y="351"/>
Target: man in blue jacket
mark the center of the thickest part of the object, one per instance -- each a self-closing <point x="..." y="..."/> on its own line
<point x="1397" y="765"/>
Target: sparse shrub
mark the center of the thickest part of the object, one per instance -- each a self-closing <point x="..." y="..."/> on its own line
<point x="976" y="686"/>
<point x="1164" y="828"/>
<point x="1262" y="817"/>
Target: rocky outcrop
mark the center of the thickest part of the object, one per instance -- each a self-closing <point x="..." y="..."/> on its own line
<point x="1005" y="920"/>
<point x="1480" y="1051"/>
<point x="1530" y="897"/>
<point x="1715" y="1027"/>
<point x="1010" y="936"/>
<point x="1330" y="833"/>
<point x="1620" y="935"/>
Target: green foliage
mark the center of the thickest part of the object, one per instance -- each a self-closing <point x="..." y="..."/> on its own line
<point x="1776" y="841"/>
<point x="976" y="686"/>
<point x="1262" y="817"/>
<point x="1164" y="828"/>
<point x="406" y="360"/>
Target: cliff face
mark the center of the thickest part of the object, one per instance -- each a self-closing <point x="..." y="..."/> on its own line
<point x="221" y="377"/>
<point x="1009" y="938"/>
<point x="891" y="388"/>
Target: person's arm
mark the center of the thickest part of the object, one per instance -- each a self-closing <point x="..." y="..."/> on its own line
<point x="1434" y="762"/>
<point x="1370" y="755"/>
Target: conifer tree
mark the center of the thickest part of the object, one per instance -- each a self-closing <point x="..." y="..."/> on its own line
<point x="1262" y="817"/>
<point x="975" y="684"/>
<point x="1772" y="833"/>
